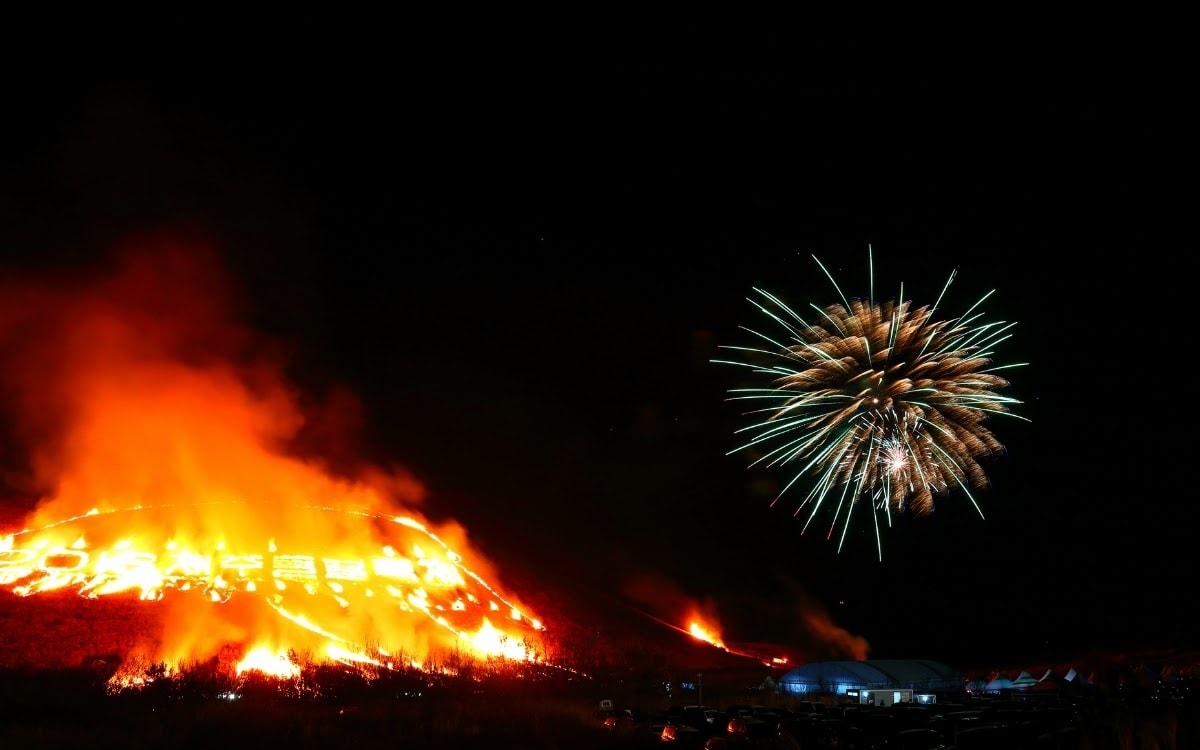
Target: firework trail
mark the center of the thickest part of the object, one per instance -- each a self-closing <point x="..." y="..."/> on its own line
<point x="875" y="402"/>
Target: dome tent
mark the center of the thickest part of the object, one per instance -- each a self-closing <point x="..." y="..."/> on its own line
<point x="835" y="677"/>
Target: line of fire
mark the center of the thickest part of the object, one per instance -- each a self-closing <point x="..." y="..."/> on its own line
<point x="331" y="605"/>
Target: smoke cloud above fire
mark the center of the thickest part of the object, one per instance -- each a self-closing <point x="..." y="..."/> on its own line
<point x="134" y="385"/>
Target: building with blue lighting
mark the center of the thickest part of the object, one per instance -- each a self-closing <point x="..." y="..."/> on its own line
<point x="888" y="680"/>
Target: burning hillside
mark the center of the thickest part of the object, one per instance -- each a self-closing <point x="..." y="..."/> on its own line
<point x="384" y="582"/>
<point x="173" y="460"/>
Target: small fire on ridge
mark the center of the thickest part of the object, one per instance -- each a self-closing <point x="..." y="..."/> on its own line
<point x="705" y="627"/>
<point x="815" y="633"/>
<point x="174" y="462"/>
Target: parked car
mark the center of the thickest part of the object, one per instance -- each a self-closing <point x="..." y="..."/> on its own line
<point x="683" y="735"/>
<point x="618" y="719"/>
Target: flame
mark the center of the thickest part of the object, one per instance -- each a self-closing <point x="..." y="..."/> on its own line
<point x="706" y="628"/>
<point x="262" y="659"/>
<point x="177" y="465"/>
<point x="706" y="633"/>
<point x="335" y="602"/>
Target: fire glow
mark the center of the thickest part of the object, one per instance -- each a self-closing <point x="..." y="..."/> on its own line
<point x="705" y="629"/>
<point x="319" y="595"/>
<point x="176" y="464"/>
<point x="705" y="633"/>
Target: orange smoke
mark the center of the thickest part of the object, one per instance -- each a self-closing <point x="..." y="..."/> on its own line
<point x="139" y="387"/>
<point x="140" y="399"/>
<point x="836" y="641"/>
<point x="836" y="638"/>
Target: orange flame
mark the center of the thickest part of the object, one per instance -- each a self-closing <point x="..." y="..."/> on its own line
<point x="706" y="633"/>
<point x="163" y="439"/>
<point x="261" y="659"/>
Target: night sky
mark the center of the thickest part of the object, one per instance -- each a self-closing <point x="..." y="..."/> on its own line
<point x="522" y="255"/>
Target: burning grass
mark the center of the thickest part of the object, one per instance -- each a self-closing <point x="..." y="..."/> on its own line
<point x="64" y="631"/>
<point x="66" y="663"/>
<point x="376" y="579"/>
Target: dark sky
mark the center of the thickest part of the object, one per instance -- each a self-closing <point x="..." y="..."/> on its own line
<point x="522" y="254"/>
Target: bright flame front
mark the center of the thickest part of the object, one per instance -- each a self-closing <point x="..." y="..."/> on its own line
<point x="390" y="585"/>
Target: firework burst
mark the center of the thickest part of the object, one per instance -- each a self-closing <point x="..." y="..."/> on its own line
<point x="876" y="403"/>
